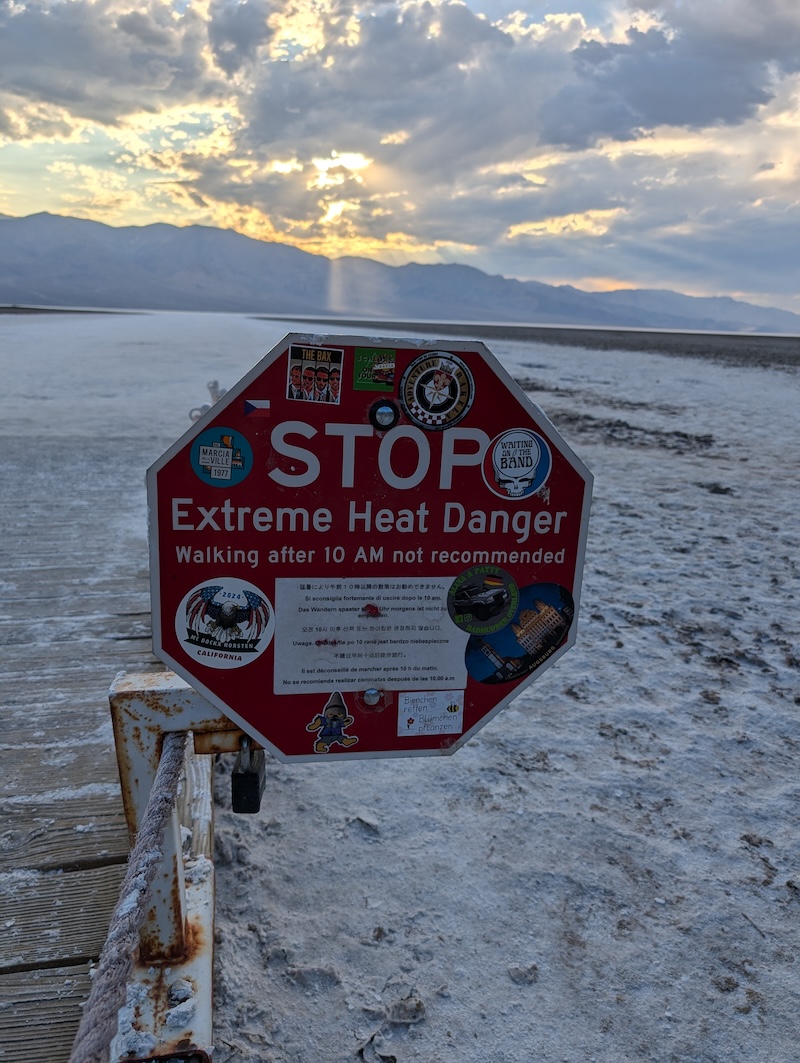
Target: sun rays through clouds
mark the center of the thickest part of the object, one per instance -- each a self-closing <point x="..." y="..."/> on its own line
<point x="650" y="145"/>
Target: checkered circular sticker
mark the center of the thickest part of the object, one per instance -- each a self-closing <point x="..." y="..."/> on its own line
<point x="437" y="390"/>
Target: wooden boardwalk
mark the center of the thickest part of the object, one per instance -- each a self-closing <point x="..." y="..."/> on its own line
<point x="75" y="611"/>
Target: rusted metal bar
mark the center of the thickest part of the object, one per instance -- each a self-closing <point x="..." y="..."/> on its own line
<point x="168" y="1011"/>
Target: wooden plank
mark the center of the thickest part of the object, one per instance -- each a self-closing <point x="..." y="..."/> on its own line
<point x="74" y="586"/>
<point x="97" y="661"/>
<point x="195" y="802"/>
<point x="75" y="710"/>
<point x="56" y="773"/>
<point x="51" y="918"/>
<point x="76" y="832"/>
<point x="40" y="1013"/>
<point x="118" y="593"/>
<point x="100" y="661"/>
<point x="64" y="722"/>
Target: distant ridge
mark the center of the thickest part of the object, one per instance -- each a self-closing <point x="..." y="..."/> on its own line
<point x="50" y="260"/>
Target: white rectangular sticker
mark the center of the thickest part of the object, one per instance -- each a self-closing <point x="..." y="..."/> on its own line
<point x="432" y="712"/>
<point x="337" y="634"/>
<point x="218" y="460"/>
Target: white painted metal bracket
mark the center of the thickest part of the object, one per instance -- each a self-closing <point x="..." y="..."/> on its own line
<point x="168" y="1012"/>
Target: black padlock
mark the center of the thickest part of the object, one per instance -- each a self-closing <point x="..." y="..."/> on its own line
<point x="248" y="779"/>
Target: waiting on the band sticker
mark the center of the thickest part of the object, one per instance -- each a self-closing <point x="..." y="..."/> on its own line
<point x="315" y="374"/>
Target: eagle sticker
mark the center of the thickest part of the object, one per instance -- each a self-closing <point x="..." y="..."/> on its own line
<point x="225" y="623"/>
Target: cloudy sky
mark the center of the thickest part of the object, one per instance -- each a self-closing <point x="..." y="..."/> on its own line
<point x="598" y="143"/>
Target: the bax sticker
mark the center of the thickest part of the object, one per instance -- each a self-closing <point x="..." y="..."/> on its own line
<point x="315" y="374"/>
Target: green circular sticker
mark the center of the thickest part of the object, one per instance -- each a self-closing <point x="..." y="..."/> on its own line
<point x="482" y="600"/>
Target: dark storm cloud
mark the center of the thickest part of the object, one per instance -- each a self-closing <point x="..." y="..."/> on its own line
<point x="236" y="31"/>
<point x="464" y="90"/>
<point x="705" y="65"/>
<point x="497" y="135"/>
<point x="622" y="90"/>
<point x="431" y="93"/>
<point x="685" y="225"/>
<point x="735" y="30"/>
<point x="408" y="67"/>
<point x="145" y="29"/>
<point x="424" y="93"/>
<point x="101" y="61"/>
<point x="467" y="96"/>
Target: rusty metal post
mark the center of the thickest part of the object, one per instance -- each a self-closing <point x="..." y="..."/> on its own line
<point x="169" y="1007"/>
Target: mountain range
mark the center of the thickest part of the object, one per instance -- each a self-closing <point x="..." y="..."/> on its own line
<point x="51" y="260"/>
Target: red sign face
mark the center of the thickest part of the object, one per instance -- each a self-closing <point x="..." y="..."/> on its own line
<point x="366" y="549"/>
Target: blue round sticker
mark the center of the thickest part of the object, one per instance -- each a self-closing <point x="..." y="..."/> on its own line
<point x="221" y="457"/>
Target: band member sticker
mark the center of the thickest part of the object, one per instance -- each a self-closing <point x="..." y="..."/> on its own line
<point x="430" y="712"/>
<point x="482" y="599"/>
<point x="221" y="456"/>
<point x="517" y="463"/>
<point x="225" y="623"/>
<point x="373" y="369"/>
<point x="540" y="625"/>
<point x="315" y="374"/>
<point x="437" y="390"/>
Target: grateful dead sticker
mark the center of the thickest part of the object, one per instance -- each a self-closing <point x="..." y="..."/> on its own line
<point x="221" y="457"/>
<point x="437" y="390"/>
<point x="516" y="464"/>
<point x="225" y="623"/>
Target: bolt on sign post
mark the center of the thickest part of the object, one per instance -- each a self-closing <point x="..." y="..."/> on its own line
<point x="367" y="547"/>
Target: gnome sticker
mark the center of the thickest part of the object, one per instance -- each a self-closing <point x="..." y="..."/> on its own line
<point x="330" y="725"/>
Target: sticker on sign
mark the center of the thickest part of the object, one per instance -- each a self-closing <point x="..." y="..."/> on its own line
<point x="352" y="634"/>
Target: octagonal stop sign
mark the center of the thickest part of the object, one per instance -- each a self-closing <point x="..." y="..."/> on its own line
<point x="367" y="547"/>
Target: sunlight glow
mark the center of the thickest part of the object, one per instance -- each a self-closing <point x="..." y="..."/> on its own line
<point x="285" y="166"/>
<point x="336" y="210"/>
<point x="330" y="171"/>
<point x="587" y="223"/>
<point x="400" y="137"/>
<point x="393" y="249"/>
<point x="602" y="284"/>
<point x="306" y="27"/>
<point x="229" y="113"/>
<point x="565" y="30"/>
<point x="41" y="123"/>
